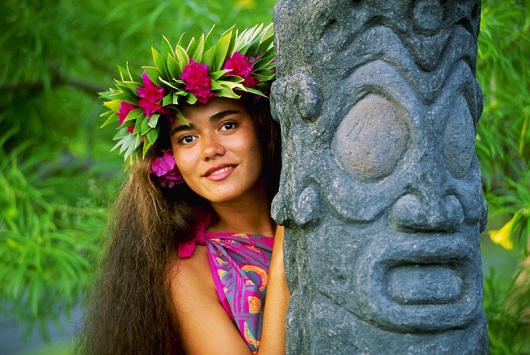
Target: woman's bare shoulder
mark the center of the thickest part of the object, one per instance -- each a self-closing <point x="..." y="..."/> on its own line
<point x="191" y="279"/>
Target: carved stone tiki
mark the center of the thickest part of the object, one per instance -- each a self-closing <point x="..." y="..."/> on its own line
<point x="381" y="190"/>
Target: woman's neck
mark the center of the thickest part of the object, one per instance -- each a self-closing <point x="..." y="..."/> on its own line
<point x="251" y="215"/>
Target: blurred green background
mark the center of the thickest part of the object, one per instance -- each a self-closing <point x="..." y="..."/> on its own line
<point x="57" y="177"/>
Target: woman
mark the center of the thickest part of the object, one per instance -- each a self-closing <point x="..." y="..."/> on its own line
<point x="186" y="269"/>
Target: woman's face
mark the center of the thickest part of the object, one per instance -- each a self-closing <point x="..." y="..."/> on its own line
<point x="218" y="154"/>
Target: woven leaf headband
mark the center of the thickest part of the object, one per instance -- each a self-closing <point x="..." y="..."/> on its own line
<point x="237" y="63"/>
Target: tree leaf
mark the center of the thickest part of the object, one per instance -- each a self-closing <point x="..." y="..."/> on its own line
<point x="197" y="51"/>
<point x="153" y="121"/>
<point x="173" y="68"/>
<point x="182" y="57"/>
<point x="221" y="50"/>
<point x="227" y="92"/>
<point x="158" y="60"/>
<point x="191" y="99"/>
<point x="136" y="114"/>
<point x="166" y="48"/>
<point x="152" y="135"/>
<point x="153" y="74"/>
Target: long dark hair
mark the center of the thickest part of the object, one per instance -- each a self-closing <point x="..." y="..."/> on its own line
<point x="130" y="310"/>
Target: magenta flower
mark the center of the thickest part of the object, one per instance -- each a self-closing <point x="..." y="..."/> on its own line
<point x="240" y="65"/>
<point x="166" y="169"/>
<point x="125" y="108"/>
<point x="197" y="81"/>
<point x="150" y="96"/>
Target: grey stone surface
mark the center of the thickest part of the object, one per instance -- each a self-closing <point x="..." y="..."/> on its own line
<point x="380" y="192"/>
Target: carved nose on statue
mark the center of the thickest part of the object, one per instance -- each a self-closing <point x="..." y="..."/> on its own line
<point x="438" y="214"/>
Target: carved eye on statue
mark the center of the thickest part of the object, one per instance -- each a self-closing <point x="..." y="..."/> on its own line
<point x="459" y="139"/>
<point x="372" y="138"/>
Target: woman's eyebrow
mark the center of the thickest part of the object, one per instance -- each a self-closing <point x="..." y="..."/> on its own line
<point x="184" y="127"/>
<point x="220" y="115"/>
<point x="214" y="118"/>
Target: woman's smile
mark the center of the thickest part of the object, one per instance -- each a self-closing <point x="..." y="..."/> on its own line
<point x="219" y="173"/>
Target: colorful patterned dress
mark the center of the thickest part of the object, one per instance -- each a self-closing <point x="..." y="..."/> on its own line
<point x="239" y="265"/>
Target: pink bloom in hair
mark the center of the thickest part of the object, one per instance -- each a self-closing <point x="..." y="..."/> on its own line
<point x="125" y="108"/>
<point x="150" y="96"/>
<point x="240" y="65"/>
<point x="166" y="169"/>
<point x="197" y="81"/>
<point x="250" y="81"/>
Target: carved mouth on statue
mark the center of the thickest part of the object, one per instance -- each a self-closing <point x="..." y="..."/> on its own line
<point x="422" y="284"/>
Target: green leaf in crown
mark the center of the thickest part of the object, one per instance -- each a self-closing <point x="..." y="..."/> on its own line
<point x="237" y="63"/>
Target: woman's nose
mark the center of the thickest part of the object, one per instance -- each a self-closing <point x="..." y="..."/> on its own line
<point x="212" y="147"/>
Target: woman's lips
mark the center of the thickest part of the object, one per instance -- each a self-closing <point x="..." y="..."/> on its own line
<point x="219" y="172"/>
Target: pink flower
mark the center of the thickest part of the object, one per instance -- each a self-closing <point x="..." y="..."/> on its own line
<point x="125" y="108"/>
<point x="197" y="81"/>
<point x="240" y="65"/>
<point x="166" y="169"/>
<point x="250" y="81"/>
<point x="150" y="96"/>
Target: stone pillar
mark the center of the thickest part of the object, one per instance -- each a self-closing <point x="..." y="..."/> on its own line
<point x="381" y="192"/>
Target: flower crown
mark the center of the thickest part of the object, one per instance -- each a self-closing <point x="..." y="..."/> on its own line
<point x="238" y="63"/>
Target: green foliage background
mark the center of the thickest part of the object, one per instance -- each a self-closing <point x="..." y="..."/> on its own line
<point x="57" y="177"/>
<point x="503" y="147"/>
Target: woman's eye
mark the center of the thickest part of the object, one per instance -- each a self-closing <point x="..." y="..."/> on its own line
<point x="228" y="126"/>
<point x="187" y="139"/>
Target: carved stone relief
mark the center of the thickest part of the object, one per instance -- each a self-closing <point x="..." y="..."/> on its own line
<point x="380" y="192"/>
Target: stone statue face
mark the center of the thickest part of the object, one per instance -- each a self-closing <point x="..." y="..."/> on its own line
<point x="404" y="176"/>
<point x="399" y="181"/>
<point x="381" y="187"/>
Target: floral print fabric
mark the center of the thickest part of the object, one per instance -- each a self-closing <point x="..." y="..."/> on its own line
<point x="239" y="265"/>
